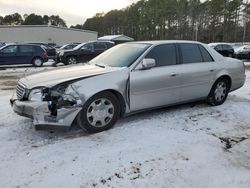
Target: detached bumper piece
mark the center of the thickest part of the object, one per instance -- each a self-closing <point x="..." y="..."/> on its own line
<point x="41" y="115"/>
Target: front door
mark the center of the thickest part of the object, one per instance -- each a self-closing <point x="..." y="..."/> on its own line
<point x="159" y="85"/>
<point x="8" y="55"/>
<point x="86" y="52"/>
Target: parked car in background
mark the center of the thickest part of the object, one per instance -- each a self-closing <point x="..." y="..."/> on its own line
<point x="223" y="48"/>
<point x="15" y="54"/>
<point x="84" y="52"/>
<point x="51" y="51"/>
<point x="69" y="46"/>
<point x="65" y="47"/>
<point x="125" y="79"/>
<point x="243" y="52"/>
<point x="2" y="44"/>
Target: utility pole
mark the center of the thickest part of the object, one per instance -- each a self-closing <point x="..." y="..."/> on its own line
<point x="196" y="31"/>
<point x="245" y="20"/>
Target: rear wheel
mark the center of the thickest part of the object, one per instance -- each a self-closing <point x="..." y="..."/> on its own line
<point x="71" y="60"/>
<point x="37" y="62"/>
<point x="219" y="92"/>
<point x="99" y="113"/>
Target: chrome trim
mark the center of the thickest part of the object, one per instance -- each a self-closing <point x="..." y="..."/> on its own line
<point x="20" y="90"/>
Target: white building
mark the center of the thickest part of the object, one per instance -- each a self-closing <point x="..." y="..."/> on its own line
<point x="46" y="34"/>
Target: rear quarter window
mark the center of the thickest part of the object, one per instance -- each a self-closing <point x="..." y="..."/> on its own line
<point x="39" y="49"/>
<point x="205" y="54"/>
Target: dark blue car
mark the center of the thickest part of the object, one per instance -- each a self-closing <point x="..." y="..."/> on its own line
<point x="16" y="54"/>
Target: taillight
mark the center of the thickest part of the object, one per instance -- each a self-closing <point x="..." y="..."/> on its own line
<point x="45" y="54"/>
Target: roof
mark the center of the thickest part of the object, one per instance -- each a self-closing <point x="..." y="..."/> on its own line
<point x="49" y="26"/>
<point x="217" y="43"/>
<point x="153" y="42"/>
<point x="116" y="38"/>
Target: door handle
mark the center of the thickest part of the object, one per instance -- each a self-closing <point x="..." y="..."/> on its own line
<point x="173" y="74"/>
<point x="212" y="70"/>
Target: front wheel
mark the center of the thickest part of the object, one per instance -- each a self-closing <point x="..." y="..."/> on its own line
<point x="100" y="113"/>
<point x="219" y="92"/>
<point x="71" y="60"/>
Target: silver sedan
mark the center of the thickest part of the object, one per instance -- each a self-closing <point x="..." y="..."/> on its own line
<point x="128" y="78"/>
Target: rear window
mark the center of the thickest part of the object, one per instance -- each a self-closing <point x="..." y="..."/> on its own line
<point x="227" y="47"/>
<point x="190" y="53"/>
<point x="25" y="49"/>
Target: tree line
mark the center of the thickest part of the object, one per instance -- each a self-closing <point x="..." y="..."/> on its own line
<point x="206" y="21"/>
<point x="32" y="19"/>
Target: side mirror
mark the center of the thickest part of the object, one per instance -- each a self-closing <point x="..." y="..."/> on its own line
<point x="147" y="63"/>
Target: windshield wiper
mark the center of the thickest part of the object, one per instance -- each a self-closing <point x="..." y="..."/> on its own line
<point x="100" y="65"/>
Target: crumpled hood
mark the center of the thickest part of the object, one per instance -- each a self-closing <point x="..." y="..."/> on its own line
<point x="59" y="75"/>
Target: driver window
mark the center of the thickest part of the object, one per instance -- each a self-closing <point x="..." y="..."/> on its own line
<point x="88" y="46"/>
<point x="164" y="55"/>
<point x="10" y="49"/>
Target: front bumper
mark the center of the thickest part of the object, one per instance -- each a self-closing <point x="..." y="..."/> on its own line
<point x="62" y="59"/>
<point x="39" y="112"/>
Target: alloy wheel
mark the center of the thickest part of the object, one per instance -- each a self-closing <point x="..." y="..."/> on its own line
<point x="220" y="91"/>
<point x="100" y="112"/>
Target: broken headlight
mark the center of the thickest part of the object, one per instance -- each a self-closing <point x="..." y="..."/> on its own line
<point x="35" y="95"/>
<point x="64" y="96"/>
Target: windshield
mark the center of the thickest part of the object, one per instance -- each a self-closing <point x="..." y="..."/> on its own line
<point x="78" y="46"/>
<point x="122" y="55"/>
<point x="63" y="47"/>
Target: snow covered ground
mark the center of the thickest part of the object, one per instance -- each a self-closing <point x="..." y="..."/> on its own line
<point x="192" y="145"/>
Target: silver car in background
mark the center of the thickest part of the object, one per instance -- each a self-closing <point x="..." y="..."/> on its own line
<point x="127" y="78"/>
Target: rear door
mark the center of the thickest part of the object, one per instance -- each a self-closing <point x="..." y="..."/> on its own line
<point x="25" y="54"/>
<point x="8" y="55"/>
<point x="159" y="85"/>
<point x="197" y="71"/>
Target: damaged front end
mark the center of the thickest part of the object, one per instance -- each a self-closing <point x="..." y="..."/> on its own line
<point x="49" y="107"/>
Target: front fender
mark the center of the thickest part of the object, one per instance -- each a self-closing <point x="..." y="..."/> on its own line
<point x="117" y="80"/>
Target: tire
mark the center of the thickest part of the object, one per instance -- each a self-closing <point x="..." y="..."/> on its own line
<point x="71" y="60"/>
<point x="99" y="113"/>
<point x="37" y="62"/>
<point x="219" y="92"/>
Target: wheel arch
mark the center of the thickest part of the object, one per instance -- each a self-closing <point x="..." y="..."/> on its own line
<point x="119" y="97"/>
<point x="227" y="77"/>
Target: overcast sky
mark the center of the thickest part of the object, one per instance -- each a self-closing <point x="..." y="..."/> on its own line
<point x="72" y="11"/>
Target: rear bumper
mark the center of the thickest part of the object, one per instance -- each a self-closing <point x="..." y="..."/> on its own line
<point x="52" y="57"/>
<point x="39" y="112"/>
<point x="45" y="59"/>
